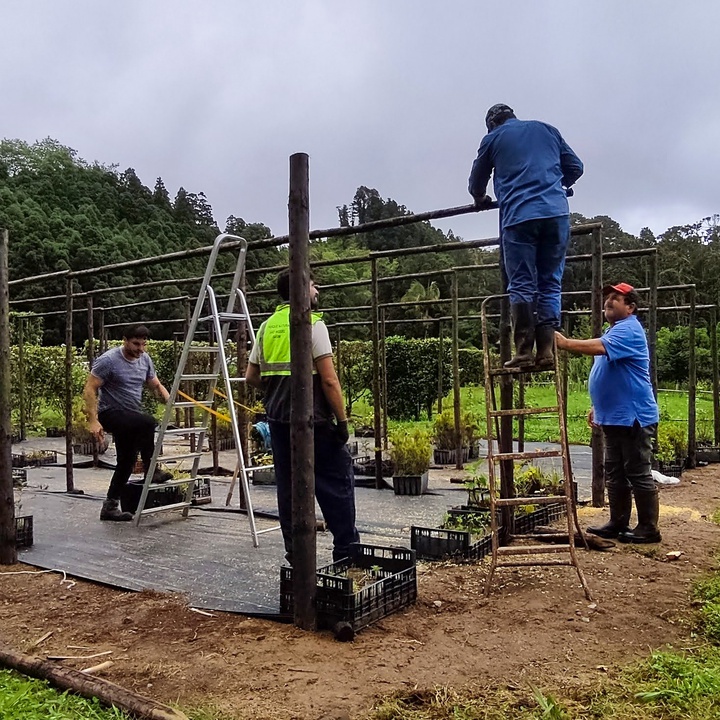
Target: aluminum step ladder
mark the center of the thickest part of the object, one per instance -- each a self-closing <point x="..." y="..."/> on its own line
<point x="516" y="553"/>
<point x="195" y="434"/>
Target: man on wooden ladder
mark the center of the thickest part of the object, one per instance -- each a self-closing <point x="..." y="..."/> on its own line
<point x="533" y="169"/>
<point x="269" y="369"/>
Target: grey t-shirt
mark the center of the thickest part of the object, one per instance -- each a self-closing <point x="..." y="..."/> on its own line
<point x="123" y="379"/>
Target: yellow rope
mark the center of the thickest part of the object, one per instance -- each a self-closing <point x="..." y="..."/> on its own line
<point x="224" y="397"/>
<point x="226" y="418"/>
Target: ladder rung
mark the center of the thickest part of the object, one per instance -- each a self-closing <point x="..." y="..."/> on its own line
<point x="172" y="483"/>
<point x="175" y="458"/>
<point x="267" y="530"/>
<point x="541" y="536"/>
<point x="259" y="467"/>
<point x="186" y="431"/>
<point x="189" y="404"/>
<point x="537" y="500"/>
<point x="532" y="549"/>
<point x="519" y="371"/>
<point x="238" y="378"/>
<point x="163" y="508"/>
<point x="531" y="563"/>
<point x="524" y="411"/>
<point x="224" y="317"/>
<point x="497" y="457"/>
<point x="201" y="348"/>
<point x="199" y="376"/>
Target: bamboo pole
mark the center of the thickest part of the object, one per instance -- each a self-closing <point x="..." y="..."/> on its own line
<point x="456" y="373"/>
<point x="692" y="386"/>
<point x="376" y="379"/>
<point x="8" y="553"/>
<point x="301" y="414"/>
<point x="715" y="375"/>
<point x="652" y="321"/>
<point x="383" y="379"/>
<point x="440" y="390"/>
<point x="597" y="443"/>
<point x="69" y="479"/>
<point x="21" y="377"/>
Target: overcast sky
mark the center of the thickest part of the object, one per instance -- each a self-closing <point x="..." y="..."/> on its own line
<point x="216" y="95"/>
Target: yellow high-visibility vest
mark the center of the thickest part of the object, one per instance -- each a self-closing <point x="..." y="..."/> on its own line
<point x="274" y="341"/>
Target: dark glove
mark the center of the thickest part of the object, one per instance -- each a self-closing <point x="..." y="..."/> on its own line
<point x="341" y="430"/>
<point x="483" y="202"/>
<point x="569" y="192"/>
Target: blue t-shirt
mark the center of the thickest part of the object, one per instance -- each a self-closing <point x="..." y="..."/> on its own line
<point x="123" y="379"/>
<point x="619" y="383"/>
<point x="532" y="166"/>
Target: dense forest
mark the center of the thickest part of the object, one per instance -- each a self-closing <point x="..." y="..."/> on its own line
<point x="65" y="213"/>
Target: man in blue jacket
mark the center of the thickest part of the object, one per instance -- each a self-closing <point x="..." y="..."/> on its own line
<point x="532" y="168"/>
<point x="624" y="405"/>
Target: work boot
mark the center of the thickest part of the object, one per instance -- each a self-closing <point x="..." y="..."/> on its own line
<point x="647" y="505"/>
<point x="620" y="501"/>
<point x="111" y="511"/>
<point x="523" y="319"/>
<point x="545" y="343"/>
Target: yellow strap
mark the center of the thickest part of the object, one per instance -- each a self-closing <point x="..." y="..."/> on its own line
<point x="226" y="418"/>
<point x="224" y="397"/>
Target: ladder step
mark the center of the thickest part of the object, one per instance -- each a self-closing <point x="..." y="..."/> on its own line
<point x="225" y="317"/>
<point x="174" y="483"/>
<point x="259" y="467"/>
<point x="540" y="536"/>
<point x="199" y="376"/>
<point x="498" y="457"/>
<point x="532" y="563"/>
<point x="186" y="431"/>
<point x="537" y="500"/>
<point x="186" y="456"/>
<point x="163" y="508"/>
<point x="524" y="411"/>
<point x="267" y="530"/>
<point x="206" y="348"/>
<point x="188" y="404"/>
<point x="519" y="371"/>
<point x="532" y="549"/>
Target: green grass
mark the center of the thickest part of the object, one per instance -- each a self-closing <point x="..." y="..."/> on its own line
<point x="23" y="698"/>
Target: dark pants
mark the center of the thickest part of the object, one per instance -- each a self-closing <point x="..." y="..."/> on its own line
<point x="133" y="432"/>
<point x="628" y="456"/>
<point x="534" y="257"/>
<point x="334" y="485"/>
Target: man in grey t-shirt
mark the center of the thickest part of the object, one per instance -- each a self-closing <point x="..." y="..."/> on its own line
<point x="118" y="377"/>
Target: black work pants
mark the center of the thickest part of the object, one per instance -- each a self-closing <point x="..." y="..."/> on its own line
<point x="628" y="456"/>
<point x="334" y="485"/>
<point x="133" y="432"/>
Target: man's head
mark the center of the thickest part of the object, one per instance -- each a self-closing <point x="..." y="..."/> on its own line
<point x="620" y="302"/>
<point x="497" y="115"/>
<point x="283" y="288"/>
<point x="134" y="340"/>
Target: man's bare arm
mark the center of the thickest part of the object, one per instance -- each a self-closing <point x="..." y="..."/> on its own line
<point x="252" y="375"/>
<point x="90" y="395"/>
<point x="593" y="346"/>
<point x="159" y="389"/>
<point x="331" y="386"/>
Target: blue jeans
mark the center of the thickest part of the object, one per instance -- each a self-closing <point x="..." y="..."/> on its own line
<point x="534" y="256"/>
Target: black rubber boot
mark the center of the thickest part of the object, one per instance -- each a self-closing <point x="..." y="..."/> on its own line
<point x="545" y="342"/>
<point x="646" y="531"/>
<point x="523" y="319"/>
<point x="161" y="476"/>
<point x="111" y="511"/>
<point x="620" y="501"/>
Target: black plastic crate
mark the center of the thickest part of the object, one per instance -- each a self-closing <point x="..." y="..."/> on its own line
<point x="544" y="515"/>
<point x="34" y="459"/>
<point x="441" y="544"/>
<point x="157" y="497"/>
<point x="19" y="477"/>
<point x="365" y="465"/>
<point x="24" y="531"/>
<point x="671" y="470"/>
<point x="394" y="586"/>
<point x="201" y="492"/>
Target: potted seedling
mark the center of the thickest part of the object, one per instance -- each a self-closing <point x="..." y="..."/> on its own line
<point x="23" y="523"/>
<point x="671" y="449"/>
<point x="410" y="453"/>
<point x="445" y="438"/>
<point x="83" y="439"/>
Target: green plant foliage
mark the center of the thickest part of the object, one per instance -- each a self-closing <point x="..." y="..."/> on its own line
<point x="671" y="442"/>
<point x="410" y="451"/>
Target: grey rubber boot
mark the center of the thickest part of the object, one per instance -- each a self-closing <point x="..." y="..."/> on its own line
<point x="111" y="511"/>
<point x="647" y="504"/>
<point x="523" y="320"/>
<point x="545" y="342"/>
<point x="620" y="501"/>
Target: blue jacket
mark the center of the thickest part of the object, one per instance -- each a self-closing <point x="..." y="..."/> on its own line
<point x="532" y="166"/>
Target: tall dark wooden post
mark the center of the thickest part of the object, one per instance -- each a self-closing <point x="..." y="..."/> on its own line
<point x="652" y="321"/>
<point x="692" y="383"/>
<point x="376" y="379"/>
<point x="21" y="377"/>
<point x="90" y="332"/>
<point x="597" y="443"/>
<point x="456" y="371"/>
<point x="102" y="339"/>
<point x="69" y="478"/>
<point x="441" y="350"/>
<point x="8" y="554"/>
<point x="301" y="397"/>
<point x="383" y="379"/>
<point x="715" y="375"/>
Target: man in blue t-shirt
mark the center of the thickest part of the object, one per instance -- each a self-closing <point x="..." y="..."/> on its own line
<point x="532" y="168"/>
<point x="624" y="405"/>
<point x="118" y="377"/>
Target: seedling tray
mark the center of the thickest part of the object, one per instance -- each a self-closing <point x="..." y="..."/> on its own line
<point x="24" y="531"/>
<point x="391" y="587"/>
<point x="441" y="544"/>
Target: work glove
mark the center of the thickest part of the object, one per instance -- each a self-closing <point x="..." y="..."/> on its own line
<point x="341" y="429"/>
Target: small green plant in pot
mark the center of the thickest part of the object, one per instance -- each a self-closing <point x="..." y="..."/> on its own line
<point x="671" y="445"/>
<point x="410" y="453"/>
<point x="445" y="439"/>
<point x="477" y="488"/>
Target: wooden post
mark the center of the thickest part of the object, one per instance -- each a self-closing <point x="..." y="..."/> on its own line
<point x="8" y="554"/>
<point x="715" y="375"/>
<point x="102" y="338"/>
<point x="521" y="418"/>
<point x="21" y="377"/>
<point x="565" y="369"/>
<point x="383" y="376"/>
<point x="505" y="441"/>
<point x="90" y="332"/>
<point x="301" y="414"/>
<point x="692" y="389"/>
<point x="652" y="321"/>
<point x="440" y="390"/>
<point x="339" y="358"/>
<point x="597" y="443"/>
<point x="456" y="371"/>
<point x="376" y="380"/>
<point x="69" y="479"/>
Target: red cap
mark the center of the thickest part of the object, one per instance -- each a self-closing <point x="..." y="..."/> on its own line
<point x="622" y="288"/>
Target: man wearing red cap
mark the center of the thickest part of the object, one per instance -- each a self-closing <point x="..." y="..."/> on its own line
<point x="624" y="405"/>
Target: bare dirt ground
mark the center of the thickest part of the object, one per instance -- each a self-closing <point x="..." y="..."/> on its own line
<point x="536" y="626"/>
